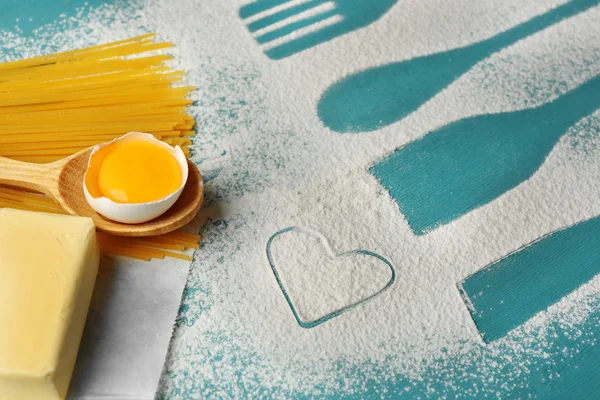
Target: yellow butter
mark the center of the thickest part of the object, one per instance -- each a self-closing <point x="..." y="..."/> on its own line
<point x="48" y="267"/>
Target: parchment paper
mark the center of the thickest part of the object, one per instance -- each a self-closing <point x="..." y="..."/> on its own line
<point x="128" y="328"/>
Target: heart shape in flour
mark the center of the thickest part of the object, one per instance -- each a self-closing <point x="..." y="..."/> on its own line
<point x="319" y="285"/>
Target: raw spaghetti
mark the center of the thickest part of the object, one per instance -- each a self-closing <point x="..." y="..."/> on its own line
<point x="55" y="105"/>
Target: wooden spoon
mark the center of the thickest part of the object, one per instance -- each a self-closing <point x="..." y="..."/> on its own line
<point x="63" y="181"/>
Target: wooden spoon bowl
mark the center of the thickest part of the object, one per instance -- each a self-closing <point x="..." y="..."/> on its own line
<point x="63" y="181"/>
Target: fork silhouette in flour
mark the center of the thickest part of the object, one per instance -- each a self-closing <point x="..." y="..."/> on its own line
<point x="287" y="27"/>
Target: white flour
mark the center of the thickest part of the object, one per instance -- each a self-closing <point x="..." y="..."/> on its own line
<point x="287" y="170"/>
<point x="281" y="167"/>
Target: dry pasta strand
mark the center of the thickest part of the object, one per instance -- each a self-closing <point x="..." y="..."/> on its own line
<point x="54" y="105"/>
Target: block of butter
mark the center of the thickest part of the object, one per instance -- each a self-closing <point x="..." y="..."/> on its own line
<point x="48" y="267"/>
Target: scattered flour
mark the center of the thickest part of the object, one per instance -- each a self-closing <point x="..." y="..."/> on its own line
<point x="287" y="170"/>
<point x="279" y="167"/>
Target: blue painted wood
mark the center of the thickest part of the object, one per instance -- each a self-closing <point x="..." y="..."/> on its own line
<point x="377" y="97"/>
<point x="511" y="291"/>
<point x="484" y="372"/>
<point x="578" y="379"/>
<point x="32" y="14"/>
<point x="561" y="365"/>
<point x="469" y="163"/>
<point x="355" y="14"/>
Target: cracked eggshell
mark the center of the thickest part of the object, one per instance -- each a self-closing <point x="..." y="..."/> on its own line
<point x="136" y="213"/>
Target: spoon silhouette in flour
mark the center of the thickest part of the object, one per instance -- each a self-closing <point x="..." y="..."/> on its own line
<point x="377" y="97"/>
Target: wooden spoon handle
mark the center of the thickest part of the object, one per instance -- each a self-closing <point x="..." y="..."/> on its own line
<point x="39" y="177"/>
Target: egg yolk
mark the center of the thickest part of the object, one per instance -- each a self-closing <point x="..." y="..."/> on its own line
<point x="133" y="171"/>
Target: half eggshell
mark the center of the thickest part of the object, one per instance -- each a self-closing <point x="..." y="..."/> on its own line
<point x="136" y="213"/>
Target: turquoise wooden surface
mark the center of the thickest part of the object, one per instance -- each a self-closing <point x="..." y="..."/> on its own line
<point x="567" y="369"/>
<point x="24" y="16"/>
<point x="558" y="361"/>
<point x="511" y="291"/>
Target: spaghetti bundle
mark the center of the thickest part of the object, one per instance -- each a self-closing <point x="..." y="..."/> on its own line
<point x="52" y="106"/>
<point x="55" y="105"/>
